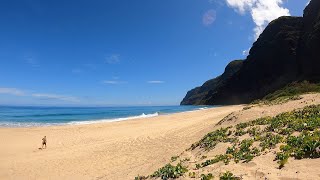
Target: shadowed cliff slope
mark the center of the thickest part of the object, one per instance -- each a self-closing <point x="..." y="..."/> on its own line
<point x="288" y="50"/>
<point x="197" y="95"/>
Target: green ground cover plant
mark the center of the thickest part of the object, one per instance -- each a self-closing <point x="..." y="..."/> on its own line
<point x="170" y="171"/>
<point x="289" y="92"/>
<point x="296" y="133"/>
<point x="228" y="176"/>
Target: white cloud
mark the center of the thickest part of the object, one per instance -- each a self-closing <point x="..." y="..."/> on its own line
<point x="262" y="11"/>
<point x="241" y="5"/>
<point x="56" y="97"/>
<point x="12" y="91"/>
<point x="114" y="82"/>
<point x="155" y="82"/>
<point x="113" y="59"/>
<point x="245" y="52"/>
<point x="308" y="2"/>
<point x="209" y="17"/>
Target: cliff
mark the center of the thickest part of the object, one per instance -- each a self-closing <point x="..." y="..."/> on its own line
<point x="288" y="50"/>
<point x="198" y="95"/>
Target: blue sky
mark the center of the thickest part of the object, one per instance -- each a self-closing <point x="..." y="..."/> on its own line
<point x="123" y="52"/>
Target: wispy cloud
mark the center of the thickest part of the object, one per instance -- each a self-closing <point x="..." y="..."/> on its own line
<point x="18" y="92"/>
<point x="113" y="59"/>
<point x="32" y="61"/>
<point x="114" y="82"/>
<point x="246" y="52"/>
<point x="12" y="91"/>
<point x="308" y="2"/>
<point x="209" y="17"/>
<point x="262" y="11"/>
<point x="155" y="82"/>
<point x="56" y="97"/>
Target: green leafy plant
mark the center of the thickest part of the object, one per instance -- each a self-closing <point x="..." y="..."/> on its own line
<point x="228" y="176"/>
<point x="192" y="174"/>
<point x="207" y="176"/>
<point x="218" y="158"/>
<point x="140" y="177"/>
<point x="254" y="131"/>
<point x="282" y="159"/>
<point x="269" y="141"/>
<point x="174" y="158"/>
<point x="212" y="139"/>
<point x="170" y="171"/>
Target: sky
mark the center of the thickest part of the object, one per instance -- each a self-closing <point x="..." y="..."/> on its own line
<point x="123" y="52"/>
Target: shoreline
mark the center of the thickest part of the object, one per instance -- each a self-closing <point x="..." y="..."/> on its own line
<point x="95" y="121"/>
<point x="115" y="150"/>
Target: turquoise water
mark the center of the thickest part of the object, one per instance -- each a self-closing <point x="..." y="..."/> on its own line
<point x="47" y="116"/>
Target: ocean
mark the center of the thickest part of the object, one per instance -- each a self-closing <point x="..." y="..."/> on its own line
<point x="53" y="116"/>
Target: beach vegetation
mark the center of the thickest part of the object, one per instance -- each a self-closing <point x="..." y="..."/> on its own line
<point x="207" y="176"/>
<point x="228" y="176"/>
<point x="278" y="130"/>
<point x="204" y="157"/>
<point x="269" y="141"/>
<point x="210" y="140"/>
<point x="294" y="134"/>
<point x="289" y="92"/>
<point x="185" y="159"/>
<point x="140" y="177"/>
<point x="170" y="171"/>
<point x="218" y="158"/>
<point x="192" y="174"/>
<point x="174" y="158"/>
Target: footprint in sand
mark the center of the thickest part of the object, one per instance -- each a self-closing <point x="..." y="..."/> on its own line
<point x="258" y="174"/>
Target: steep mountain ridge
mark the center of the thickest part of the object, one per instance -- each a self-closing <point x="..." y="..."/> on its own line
<point x="196" y="96"/>
<point x="288" y="50"/>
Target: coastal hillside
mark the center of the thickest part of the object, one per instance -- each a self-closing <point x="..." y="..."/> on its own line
<point x="195" y="95"/>
<point x="274" y="140"/>
<point x="287" y="51"/>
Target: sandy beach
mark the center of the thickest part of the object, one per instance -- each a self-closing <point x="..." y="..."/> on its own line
<point x="115" y="150"/>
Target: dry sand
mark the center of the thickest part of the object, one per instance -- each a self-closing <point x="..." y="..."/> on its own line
<point x="122" y="150"/>
<point x="115" y="150"/>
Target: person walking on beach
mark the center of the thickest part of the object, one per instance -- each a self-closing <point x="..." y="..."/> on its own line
<point x="44" y="142"/>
